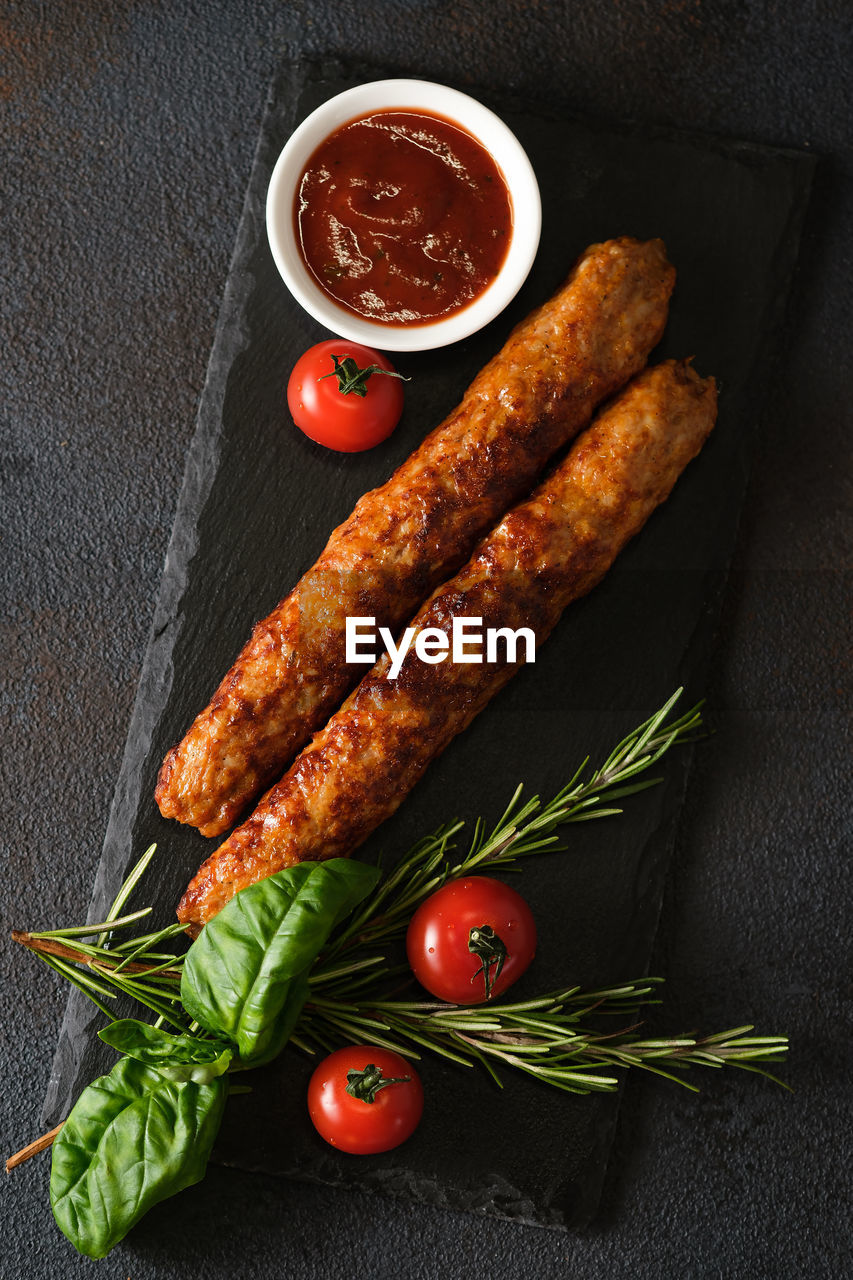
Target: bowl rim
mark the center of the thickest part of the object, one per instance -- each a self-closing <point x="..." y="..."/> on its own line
<point x="469" y="114"/>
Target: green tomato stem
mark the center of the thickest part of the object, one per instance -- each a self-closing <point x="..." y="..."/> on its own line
<point x="352" y="380"/>
<point x="367" y="1083"/>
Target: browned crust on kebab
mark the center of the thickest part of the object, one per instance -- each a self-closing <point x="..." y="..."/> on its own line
<point x="545" y="553"/>
<point x="413" y="532"/>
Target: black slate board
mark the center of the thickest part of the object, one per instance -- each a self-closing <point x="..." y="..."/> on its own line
<point x="258" y="503"/>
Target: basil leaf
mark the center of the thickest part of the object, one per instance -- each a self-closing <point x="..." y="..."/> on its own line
<point x="181" y="1057"/>
<point x="245" y="976"/>
<point x="132" y="1139"/>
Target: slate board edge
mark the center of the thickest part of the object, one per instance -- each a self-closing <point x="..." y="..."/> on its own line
<point x="156" y="678"/>
<point x="157" y="671"/>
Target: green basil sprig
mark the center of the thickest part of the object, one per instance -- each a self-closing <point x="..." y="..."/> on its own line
<point x="145" y="1131"/>
<point x="132" y="1139"/>
<point x="245" y="976"/>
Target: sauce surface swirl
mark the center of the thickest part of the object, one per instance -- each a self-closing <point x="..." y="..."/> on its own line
<point x="402" y="217"/>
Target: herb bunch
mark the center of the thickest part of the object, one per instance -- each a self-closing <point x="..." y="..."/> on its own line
<point x="302" y="956"/>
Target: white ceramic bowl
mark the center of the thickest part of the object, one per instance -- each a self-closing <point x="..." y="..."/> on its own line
<point x="413" y="95"/>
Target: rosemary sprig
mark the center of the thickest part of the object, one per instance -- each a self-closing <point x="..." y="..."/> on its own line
<point x="524" y="828"/>
<point x="549" y="1038"/>
<point x="109" y="966"/>
<point x="135" y="966"/>
<point x="546" y="1038"/>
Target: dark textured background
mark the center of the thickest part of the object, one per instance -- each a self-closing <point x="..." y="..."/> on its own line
<point x="129" y="132"/>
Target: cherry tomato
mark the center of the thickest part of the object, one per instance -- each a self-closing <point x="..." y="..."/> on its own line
<point x="366" y="1099"/>
<point x="345" y="396"/>
<point x="470" y="940"/>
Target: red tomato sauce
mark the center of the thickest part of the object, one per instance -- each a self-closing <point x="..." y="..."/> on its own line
<point x="403" y="217"/>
